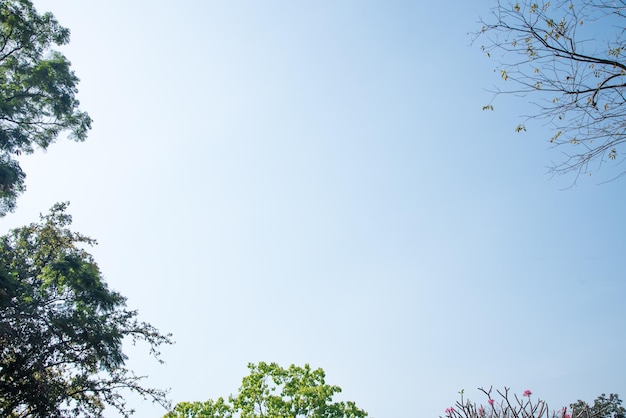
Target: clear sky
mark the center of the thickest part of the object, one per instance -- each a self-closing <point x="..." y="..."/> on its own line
<point x="315" y="182"/>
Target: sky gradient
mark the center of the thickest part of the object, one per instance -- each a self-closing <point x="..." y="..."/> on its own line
<point x="315" y="182"/>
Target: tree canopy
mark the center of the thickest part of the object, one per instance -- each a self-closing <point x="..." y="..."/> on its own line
<point x="603" y="407"/>
<point x="37" y="91"/>
<point x="62" y="328"/>
<point x="567" y="56"/>
<point x="275" y="392"/>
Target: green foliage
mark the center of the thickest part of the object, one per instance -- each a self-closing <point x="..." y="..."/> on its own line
<point x="209" y="409"/>
<point x="61" y="327"/>
<point x="37" y="91"/>
<point x="602" y="407"/>
<point x="274" y="392"/>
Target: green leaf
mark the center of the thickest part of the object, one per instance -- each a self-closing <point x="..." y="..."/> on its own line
<point x="57" y="312"/>
<point x="37" y="91"/>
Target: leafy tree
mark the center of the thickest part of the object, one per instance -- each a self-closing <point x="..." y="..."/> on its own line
<point x="61" y="328"/>
<point x="502" y="404"/>
<point x="569" y="56"/>
<point x="274" y="392"/>
<point x="37" y="91"/>
<point x="602" y="407"/>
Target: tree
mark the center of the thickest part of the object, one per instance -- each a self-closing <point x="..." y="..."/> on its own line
<point x="274" y="392"/>
<point x="37" y="91"/>
<point x="568" y="55"/>
<point x="602" y="407"/>
<point x="61" y="328"/>
<point x="513" y="406"/>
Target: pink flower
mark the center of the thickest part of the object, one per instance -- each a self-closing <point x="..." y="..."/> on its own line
<point x="491" y="401"/>
<point x="567" y="416"/>
<point x="527" y="392"/>
<point x="449" y="410"/>
<point x="481" y="412"/>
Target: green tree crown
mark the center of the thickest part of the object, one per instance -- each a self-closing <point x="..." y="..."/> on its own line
<point x="274" y="392"/>
<point x="62" y="328"/>
<point x="37" y="91"/>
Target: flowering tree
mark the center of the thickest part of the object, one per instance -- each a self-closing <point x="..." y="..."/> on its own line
<point x="503" y="404"/>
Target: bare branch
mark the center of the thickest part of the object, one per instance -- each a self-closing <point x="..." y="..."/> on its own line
<point x="553" y="52"/>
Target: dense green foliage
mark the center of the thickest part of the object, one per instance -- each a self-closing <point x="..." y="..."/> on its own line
<point x="274" y="392"/>
<point x="567" y="57"/>
<point x="61" y="328"/>
<point x="37" y="91"/>
<point x="602" y="407"/>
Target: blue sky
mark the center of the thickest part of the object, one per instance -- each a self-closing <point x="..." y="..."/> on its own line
<point x="315" y="182"/>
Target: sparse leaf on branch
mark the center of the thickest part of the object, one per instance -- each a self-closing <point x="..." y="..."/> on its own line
<point x="575" y="73"/>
